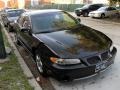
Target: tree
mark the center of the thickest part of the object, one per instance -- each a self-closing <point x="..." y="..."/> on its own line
<point x="114" y="2"/>
<point x="2" y="46"/>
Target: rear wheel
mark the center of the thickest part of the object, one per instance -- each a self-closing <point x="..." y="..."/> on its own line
<point x="85" y="14"/>
<point x="102" y="15"/>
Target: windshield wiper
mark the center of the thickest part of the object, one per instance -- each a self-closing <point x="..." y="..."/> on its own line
<point x="44" y="32"/>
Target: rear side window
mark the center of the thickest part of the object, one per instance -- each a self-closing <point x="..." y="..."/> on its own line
<point x="111" y="8"/>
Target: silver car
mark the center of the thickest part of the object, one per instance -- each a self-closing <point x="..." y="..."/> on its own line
<point x="104" y="12"/>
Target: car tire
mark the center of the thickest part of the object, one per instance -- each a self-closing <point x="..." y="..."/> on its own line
<point x="85" y="14"/>
<point x="117" y="15"/>
<point x="40" y="66"/>
<point x="78" y="15"/>
<point x="103" y="16"/>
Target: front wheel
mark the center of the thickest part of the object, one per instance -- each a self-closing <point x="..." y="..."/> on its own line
<point x="40" y="65"/>
<point x="85" y="14"/>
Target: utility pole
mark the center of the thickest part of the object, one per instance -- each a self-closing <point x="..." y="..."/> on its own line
<point x="2" y="46"/>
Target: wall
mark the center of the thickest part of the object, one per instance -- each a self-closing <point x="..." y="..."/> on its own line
<point x="2" y="4"/>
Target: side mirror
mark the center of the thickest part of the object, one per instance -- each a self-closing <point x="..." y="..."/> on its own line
<point x="79" y="19"/>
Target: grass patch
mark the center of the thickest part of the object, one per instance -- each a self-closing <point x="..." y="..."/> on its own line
<point x="11" y="75"/>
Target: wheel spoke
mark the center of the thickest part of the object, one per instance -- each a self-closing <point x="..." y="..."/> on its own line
<point x="39" y="63"/>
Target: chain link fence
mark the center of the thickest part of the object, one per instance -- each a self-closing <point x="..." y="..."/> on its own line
<point x="66" y="7"/>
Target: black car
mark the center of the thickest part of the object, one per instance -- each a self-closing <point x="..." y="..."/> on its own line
<point x="87" y="8"/>
<point x="11" y="16"/>
<point x="63" y="47"/>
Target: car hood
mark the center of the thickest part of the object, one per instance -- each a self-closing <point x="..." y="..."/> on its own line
<point x="11" y="19"/>
<point x="76" y="43"/>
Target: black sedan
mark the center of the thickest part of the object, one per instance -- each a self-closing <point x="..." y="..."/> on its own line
<point x="63" y="47"/>
<point x="86" y="9"/>
<point x="10" y="16"/>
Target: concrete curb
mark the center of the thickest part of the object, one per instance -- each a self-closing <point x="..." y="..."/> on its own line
<point x="32" y="81"/>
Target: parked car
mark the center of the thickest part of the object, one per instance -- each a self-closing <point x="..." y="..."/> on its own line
<point x="63" y="47"/>
<point x="3" y="13"/>
<point x="4" y="10"/>
<point x="104" y="12"/>
<point x="87" y="8"/>
<point x="11" y="16"/>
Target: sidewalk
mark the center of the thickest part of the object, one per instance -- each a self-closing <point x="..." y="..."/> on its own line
<point x="23" y="65"/>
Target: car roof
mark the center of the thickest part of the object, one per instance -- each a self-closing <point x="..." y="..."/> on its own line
<point x="95" y="4"/>
<point x="14" y="9"/>
<point x="107" y="6"/>
<point x="34" y="12"/>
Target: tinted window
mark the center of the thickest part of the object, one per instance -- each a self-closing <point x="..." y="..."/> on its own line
<point x="14" y="13"/>
<point x="53" y="21"/>
<point x="26" y="22"/>
<point x="111" y="8"/>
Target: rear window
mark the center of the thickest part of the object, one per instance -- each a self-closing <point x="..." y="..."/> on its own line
<point x="14" y="13"/>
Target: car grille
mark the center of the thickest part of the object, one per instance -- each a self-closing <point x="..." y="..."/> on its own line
<point x="104" y="56"/>
<point x="93" y="60"/>
<point x="96" y="59"/>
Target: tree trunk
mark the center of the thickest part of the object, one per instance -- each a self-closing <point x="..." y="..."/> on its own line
<point x="2" y="47"/>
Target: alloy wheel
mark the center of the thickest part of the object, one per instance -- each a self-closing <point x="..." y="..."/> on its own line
<point x="39" y="63"/>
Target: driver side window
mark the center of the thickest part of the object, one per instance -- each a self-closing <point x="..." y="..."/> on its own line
<point x="24" y="22"/>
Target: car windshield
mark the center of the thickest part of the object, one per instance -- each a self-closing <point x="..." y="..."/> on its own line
<point x="14" y="13"/>
<point x="53" y="21"/>
<point x="86" y="6"/>
<point x="102" y="9"/>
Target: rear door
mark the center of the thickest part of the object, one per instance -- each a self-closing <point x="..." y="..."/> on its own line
<point x="109" y="11"/>
<point x="25" y="36"/>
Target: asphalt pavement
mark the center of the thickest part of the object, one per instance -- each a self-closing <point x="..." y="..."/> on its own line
<point x="108" y="80"/>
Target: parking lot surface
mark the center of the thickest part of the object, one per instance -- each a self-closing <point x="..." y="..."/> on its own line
<point x="108" y="80"/>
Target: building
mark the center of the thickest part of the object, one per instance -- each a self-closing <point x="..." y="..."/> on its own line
<point x="25" y="3"/>
<point x="79" y="1"/>
<point x="22" y="3"/>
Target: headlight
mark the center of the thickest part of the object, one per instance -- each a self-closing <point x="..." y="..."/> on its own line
<point x="65" y="61"/>
<point x="111" y="47"/>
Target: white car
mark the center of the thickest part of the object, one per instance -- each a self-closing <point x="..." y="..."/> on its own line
<point x="104" y="12"/>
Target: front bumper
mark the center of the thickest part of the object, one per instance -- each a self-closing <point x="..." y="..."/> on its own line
<point x="81" y="70"/>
